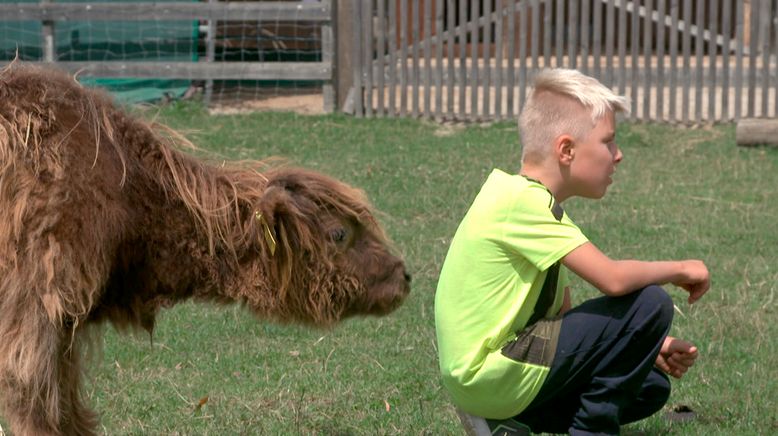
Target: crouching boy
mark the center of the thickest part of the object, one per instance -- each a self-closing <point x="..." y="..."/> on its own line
<point x="511" y="348"/>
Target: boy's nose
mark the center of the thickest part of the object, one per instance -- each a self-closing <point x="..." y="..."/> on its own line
<point x="618" y="156"/>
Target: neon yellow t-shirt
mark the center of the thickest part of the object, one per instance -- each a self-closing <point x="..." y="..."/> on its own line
<point x="487" y="291"/>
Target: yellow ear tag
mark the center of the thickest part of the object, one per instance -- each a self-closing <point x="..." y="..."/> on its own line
<point x="271" y="241"/>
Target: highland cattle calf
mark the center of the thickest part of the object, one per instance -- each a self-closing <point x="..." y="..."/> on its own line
<point x="103" y="218"/>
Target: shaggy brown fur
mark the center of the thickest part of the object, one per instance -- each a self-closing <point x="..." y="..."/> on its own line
<point x="103" y="218"/>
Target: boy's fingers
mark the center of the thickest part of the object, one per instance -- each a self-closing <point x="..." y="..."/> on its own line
<point x="661" y="363"/>
<point x="694" y="295"/>
<point x="676" y="357"/>
<point x="680" y="363"/>
<point x="671" y="370"/>
<point x="681" y="346"/>
<point x="695" y="289"/>
<point x="683" y="357"/>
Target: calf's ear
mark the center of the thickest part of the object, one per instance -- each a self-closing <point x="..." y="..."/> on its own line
<point x="265" y="219"/>
<point x="283" y="222"/>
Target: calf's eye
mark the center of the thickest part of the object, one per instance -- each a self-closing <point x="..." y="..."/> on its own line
<point x="338" y="235"/>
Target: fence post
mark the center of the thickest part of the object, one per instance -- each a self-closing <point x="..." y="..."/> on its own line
<point x="47" y="33"/>
<point x="327" y="49"/>
<point x="210" y="55"/>
<point x="746" y="22"/>
<point x="343" y="15"/>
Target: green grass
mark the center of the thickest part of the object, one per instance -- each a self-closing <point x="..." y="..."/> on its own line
<point x="677" y="194"/>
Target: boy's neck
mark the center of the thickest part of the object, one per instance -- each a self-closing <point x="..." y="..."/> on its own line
<point x="549" y="177"/>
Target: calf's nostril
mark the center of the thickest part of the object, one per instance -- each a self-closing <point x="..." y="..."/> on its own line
<point x="407" y="277"/>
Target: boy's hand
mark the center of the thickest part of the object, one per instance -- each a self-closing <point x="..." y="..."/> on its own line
<point x="695" y="279"/>
<point x="676" y="357"/>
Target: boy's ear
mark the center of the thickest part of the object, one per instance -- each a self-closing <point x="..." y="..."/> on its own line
<point x="564" y="147"/>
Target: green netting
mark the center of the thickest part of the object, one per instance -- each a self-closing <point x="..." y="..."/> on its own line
<point x="110" y="41"/>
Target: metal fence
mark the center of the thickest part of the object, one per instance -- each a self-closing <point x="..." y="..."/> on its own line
<point x="679" y="61"/>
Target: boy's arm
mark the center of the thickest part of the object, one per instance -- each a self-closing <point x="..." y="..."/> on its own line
<point x="620" y="277"/>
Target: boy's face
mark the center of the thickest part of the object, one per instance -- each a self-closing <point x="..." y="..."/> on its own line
<point x="595" y="159"/>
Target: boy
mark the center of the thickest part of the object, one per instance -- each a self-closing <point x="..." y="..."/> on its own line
<point x="510" y="345"/>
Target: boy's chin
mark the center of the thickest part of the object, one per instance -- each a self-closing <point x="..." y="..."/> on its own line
<point x="594" y="194"/>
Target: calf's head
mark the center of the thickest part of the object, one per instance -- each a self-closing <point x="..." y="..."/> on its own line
<point x="324" y="249"/>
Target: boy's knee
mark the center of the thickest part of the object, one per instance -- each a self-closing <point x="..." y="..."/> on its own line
<point x="657" y="303"/>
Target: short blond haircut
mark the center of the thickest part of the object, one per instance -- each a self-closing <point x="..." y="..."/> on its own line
<point x="563" y="101"/>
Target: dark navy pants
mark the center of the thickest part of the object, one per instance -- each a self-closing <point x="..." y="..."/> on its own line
<point x="603" y="371"/>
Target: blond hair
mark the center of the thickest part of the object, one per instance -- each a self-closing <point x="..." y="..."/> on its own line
<point x="558" y="105"/>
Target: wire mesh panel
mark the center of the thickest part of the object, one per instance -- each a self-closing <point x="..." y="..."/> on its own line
<point x="236" y="54"/>
<point x="268" y="39"/>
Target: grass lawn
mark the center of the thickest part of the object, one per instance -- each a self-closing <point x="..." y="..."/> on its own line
<point x="678" y="193"/>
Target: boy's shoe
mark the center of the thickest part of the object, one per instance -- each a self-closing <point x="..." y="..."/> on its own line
<point x="477" y="426"/>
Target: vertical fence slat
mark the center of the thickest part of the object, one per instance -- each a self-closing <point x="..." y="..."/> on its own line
<point x="427" y="38"/>
<point x="597" y="37"/>
<point x="367" y="55"/>
<point x="462" y="80"/>
<point x="450" y="19"/>
<point x="713" y="19"/>
<point x="622" y="47"/>
<point x="439" y="58"/>
<point x="487" y="57"/>
<point x="634" y="50"/>
<point x="673" y="82"/>
<point x="512" y="53"/>
<point x="739" y="34"/>
<point x="765" y="15"/>
<point x="775" y="53"/>
<point x="585" y="31"/>
<point x="647" y="42"/>
<point x="535" y="34"/>
<point x="609" y="37"/>
<point x="726" y="32"/>
<point x="752" y="52"/>
<point x="403" y="9"/>
<point x="547" y="27"/>
<point x="380" y="57"/>
<point x="357" y="60"/>
<point x="392" y="43"/>
<point x="699" y="42"/>
<point x="498" y="32"/>
<point x="416" y="36"/>
<point x="686" y="48"/>
<point x="474" y="60"/>
<point x="660" y="61"/>
<point x="572" y="50"/>
<point x="427" y="32"/>
<point x="559" y="39"/>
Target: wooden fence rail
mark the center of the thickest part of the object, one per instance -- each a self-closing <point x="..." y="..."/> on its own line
<point x="679" y="61"/>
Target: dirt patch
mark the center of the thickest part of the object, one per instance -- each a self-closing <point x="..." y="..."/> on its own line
<point x="446" y="129"/>
<point x="305" y="104"/>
